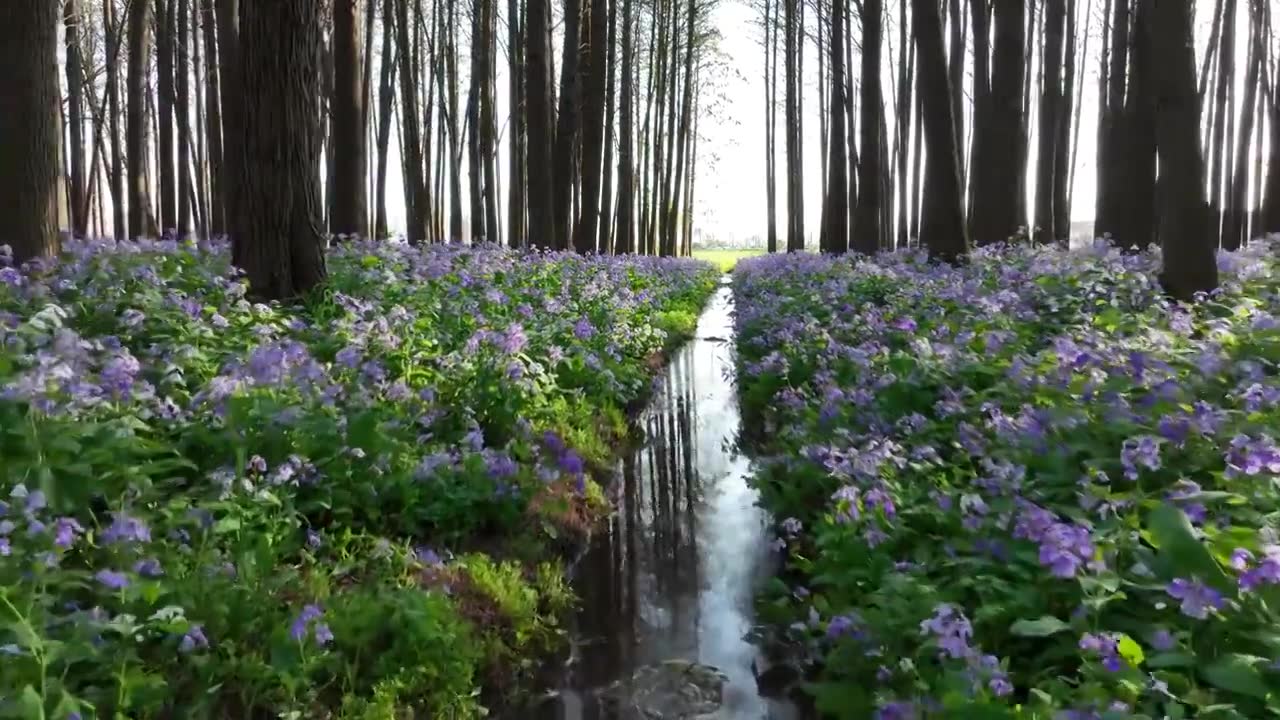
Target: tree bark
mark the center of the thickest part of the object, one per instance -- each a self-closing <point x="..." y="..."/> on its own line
<point x="605" y="237"/>
<point x="386" y="98"/>
<point x="999" y="177"/>
<point x="625" y="242"/>
<point x="516" y="235"/>
<point x="276" y="232"/>
<point x="182" y="94"/>
<point x="165" y="105"/>
<point x="567" y="125"/>
<point x="1188" y="256"/>
<point x="29" y="123"/>
<point x="542" y="231"/>
<point x="1235" y="232"/>
<point x="867" y="233"/>
<point x="1046" y="192"/>
<point x="835" y="233"/>
<point x="112" y="32"/>
<point x="72" y="19"/>
<point x="416" y="205"/>
<point x="596" y="41"/>
<point x="942" y="226"/>
<point x="228" y="27"/>
<point x="349" y="203"/>
<point x="141" y="220"/>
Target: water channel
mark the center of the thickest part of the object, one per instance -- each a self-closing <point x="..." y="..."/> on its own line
<point x="667" y="584"/>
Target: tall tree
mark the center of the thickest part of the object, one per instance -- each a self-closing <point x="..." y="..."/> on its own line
<point x="999" y="180"/>
<point x="867" y="228"/>
<point x="141" y="220"/>
<point x="516" y="127"/>
<point x="942" y="226"/>
<point x="111" y="30"/>
<point x="182" y="112"/>
<point x="213" y="102"/>
<point x="349" y="203"/>
<point x="416" y="200"/>
<point x="1049" y="136"/>
<point x="596" y="40"/>
<point x="770" y="123"/>
<point x="79" y="202"/>
<point x="276" y="231"/>
<point x="793" y="42"/>
<point x="835" y="233"/>
<point x="538" y="105"/>
<point x="625" y="242"/>
<point x="165" y="105"/>
<point x="605" y="239"/>
<point x="386" y="99"/>
<point x="228" y="26"/>
<point x="567" y="122"/>
<point x="29" y="124"/>
<point x="1188" y="262"/>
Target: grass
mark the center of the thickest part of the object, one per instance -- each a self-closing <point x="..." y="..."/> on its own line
<point x="725" y="259"/>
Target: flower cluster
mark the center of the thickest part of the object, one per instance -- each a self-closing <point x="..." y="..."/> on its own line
<point x="1035" y="446"/>
<point x="189" y="477"/>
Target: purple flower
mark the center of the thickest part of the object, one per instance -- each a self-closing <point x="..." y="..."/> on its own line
<point x="323" y="634"/>
<point x="193" y="640"/>
<point x="1162" y="640"/>
<point x="1140" y="452"/>
<point x="126" y="529"/>
<point x="112" y="580"/>
<point x="583" y="329"/>
<point x="1197" y="598"/>
<point x="514" y="339"/>
<point x="298" y="630"/>
<point x="950" y="630"/>
<point x="148" y="568"/>
<point x="1106" y="646"/>
<point x="65" y="531"/>
<point x="1065" y="548"/>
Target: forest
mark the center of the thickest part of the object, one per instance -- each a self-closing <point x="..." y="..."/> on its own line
<point x="357" y="360"/>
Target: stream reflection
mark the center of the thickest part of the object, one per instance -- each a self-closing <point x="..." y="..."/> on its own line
<point x="672" y="573"/>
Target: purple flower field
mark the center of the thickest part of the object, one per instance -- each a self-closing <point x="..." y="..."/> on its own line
<point x="1026" y="487"/>
<point x="346" y="508"/>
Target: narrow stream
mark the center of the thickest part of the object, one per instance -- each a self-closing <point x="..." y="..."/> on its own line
<point x="669" y="580"/>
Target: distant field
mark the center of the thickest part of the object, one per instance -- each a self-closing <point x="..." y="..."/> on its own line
<point x="725" y="259"/>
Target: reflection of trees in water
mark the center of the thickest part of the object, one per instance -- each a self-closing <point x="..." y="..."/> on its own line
<point x="640" y="578"/>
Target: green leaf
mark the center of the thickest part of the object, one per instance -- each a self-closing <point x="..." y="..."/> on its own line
<point x="1171" y="532"/>
<point x="226" y="525"/>
<point x="1170" y="660"/>
<point x="1236" y="673"/>
<point x="1130" y="650"/>
<point x="1043" y="627"/>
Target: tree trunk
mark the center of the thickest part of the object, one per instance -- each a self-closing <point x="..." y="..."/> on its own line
<point x="942" y="227"/>
<point x="1068" y="105"/>
<point x="999" y="178"/>
<point x="867" y="233"/>
<point x="213" y="94"/>
<point x="417" y="205"/>
<point x="73" y="18"/>
<point x="1137" y="148"/>
<point x="276" y="235"/>
<point x="625" y="242"/>
<point x="980" y="15"/>
<point x="386" y="97"/>
<point x="567" y="123"/>
<point x="835" y="234"/>
<point x="595" y="73"/>
<point x="488" y="123"/>
<point x="955" y="67"/>
<point x="348" y="148"/>
<point x="605" y="239"/>
<point x="770" y="122"/>
<point x="183" y="116"/>
<point x="29" y="123"/>
<point x="1189" y="266"/>
<point x="1046" y="192"/>
<point x="516" y="235"/>
<point x="112" y="32"/>
<point x="542" y="230"/>
<point x="1235" y="233"/>
<point x="165" y="104"/>
<point x="141" y="221"/>
<point x="228" y="27"/>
